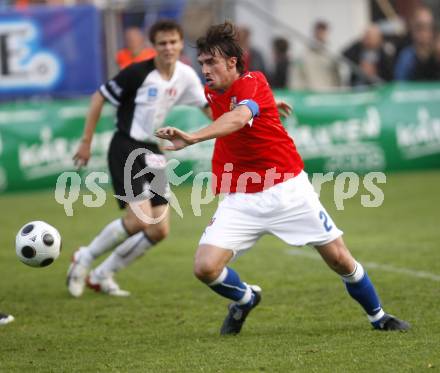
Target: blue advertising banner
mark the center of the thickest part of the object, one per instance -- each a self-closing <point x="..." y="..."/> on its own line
<point x="50" y="50"/>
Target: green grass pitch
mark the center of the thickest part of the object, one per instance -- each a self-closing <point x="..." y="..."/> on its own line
<point x="306" y="321"/>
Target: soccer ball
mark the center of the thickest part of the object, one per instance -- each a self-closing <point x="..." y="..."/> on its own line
<point x="37" y="244"/>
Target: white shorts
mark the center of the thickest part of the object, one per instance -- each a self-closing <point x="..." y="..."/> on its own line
<point x="290" y="210"/>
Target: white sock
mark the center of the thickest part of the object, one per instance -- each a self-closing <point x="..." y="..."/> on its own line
<point x="111" y="236"/>
<point x="126" y="253"/>
<point x="246" y="297"/>
<point x="356" y="275"/>
<point x="377" y="316"/>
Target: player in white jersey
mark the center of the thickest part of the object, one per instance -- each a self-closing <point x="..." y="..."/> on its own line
<point x="143" y="93"/>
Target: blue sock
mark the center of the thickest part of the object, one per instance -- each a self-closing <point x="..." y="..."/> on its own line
<point x="229" y="285"/>
<point x="361" y="289"/>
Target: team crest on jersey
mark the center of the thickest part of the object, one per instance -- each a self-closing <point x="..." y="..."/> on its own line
<point x="233" y="103"/>
<point x="172" y="92"/>
<point x="152" y="93"/>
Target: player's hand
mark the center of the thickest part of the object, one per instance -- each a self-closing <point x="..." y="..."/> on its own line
<point x="179" y="139"/>
<point x="284" y="108"/>
<point x="82" y="155"/>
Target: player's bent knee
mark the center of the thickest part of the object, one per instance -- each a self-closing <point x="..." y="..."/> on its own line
<point x="157" y="232"/>
<point x="131" y="225"/>
<point x="206" y="271"/>
<point x="210" y="261"/>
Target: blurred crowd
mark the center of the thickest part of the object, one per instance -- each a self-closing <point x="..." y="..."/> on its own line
<point x="412" y="55"/>
<point x="375" y="58"/>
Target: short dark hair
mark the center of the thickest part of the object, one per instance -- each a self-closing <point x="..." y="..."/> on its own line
<point x="320" y="25"/>
<point x="164" y="25"/>
<point x="280" y="45"/>
<point x="222" y="39"/>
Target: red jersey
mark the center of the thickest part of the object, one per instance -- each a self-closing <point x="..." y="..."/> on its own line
<point x="259" y="155"/>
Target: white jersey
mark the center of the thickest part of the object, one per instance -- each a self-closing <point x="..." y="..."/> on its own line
<point x="144" y="98"/>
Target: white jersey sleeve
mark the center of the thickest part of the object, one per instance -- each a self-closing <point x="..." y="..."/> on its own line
<point x="193" y="94"/>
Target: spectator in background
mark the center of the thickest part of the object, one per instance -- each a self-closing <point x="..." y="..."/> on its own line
<point x="23" y="4"/>
<point x="316" y="70"/>
<point x="253" y="58"/>
<point x="279" y="77"/>
<point x="417" y="61"/>
<point x="374" y="58"/>
<point x="136" y="49"/>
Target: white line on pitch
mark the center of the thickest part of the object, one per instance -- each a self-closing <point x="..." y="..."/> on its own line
<point x="383" y="267"/>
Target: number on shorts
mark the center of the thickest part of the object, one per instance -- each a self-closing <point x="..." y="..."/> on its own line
<point x="323" y="216"/>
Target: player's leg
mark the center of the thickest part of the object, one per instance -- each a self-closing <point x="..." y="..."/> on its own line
<point x="112" y="235"/>
<point x="149" y="234"/>
<point x="358" y="284"/>
<point x="124" y="231"/>
<point x="119" y="229"/>
<point x="233" y="229"/>
<point x="210" y="267"/>
<point x="300" y="219"/>
<point x="149" y="217"/>
<point x="101" y="278"/>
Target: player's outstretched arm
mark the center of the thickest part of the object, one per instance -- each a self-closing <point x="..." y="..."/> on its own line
<point x="82" y="155"/>
<point x="224" y="125"/>
<point x="180" y="139"/>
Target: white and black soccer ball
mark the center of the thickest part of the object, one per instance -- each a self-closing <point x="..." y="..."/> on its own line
<point x="38" y="244"/>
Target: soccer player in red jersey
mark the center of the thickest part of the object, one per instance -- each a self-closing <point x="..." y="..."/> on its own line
<point x="255" y="163"/>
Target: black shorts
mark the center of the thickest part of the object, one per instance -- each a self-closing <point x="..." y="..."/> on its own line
<point x="124" y="152"/>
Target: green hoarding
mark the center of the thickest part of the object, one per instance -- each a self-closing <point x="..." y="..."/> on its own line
<point x="395" y="127"/>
